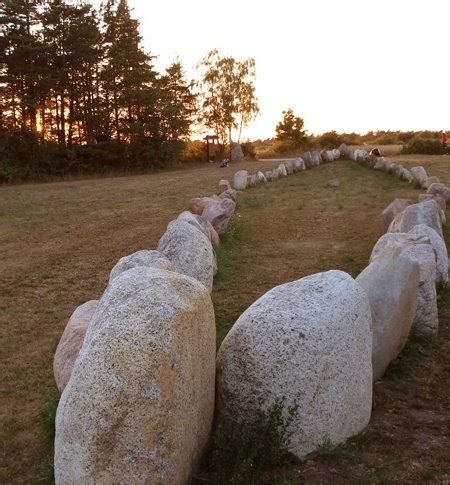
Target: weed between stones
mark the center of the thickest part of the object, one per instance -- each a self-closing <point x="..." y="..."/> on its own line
<point x="240" y="452"/>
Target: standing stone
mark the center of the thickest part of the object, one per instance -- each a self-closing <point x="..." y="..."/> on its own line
<point x="327" y="156"/>
<point x="268" y="175"/>
<point x="419" y="249"/>
<point x="237" y="155"/>
<point x="71" y="341"/>
<point x="281" y="169"/>
<point x="224" y="185"/>
<point x="139" y="405"/>
<point x="427" y="212"/>
<point x="190" y="251"/>
<point x="420" y="176"/>
<point x="240" y="180"/>
<point x="309" y="343"/>
<point x="395" y="207"/>
<point x="315" y="158"/>
<point x="229" y="194"/>
<point x="432" y="180"/>
<point x="251" y="180"/>
<point x="391" y="283"/>
<point x="440" y="249"/>
<point x="261" y="177"/>
<point x="343" y="150"/>
<point x="336" y="154"/>
<point x="380" y="164"/>
<point x="144" y="257"/>
<point x="307" y="159"/>
<point x="218" y="213"/>
<point x="289" y="167"/>
<point x="201" y="224"/>
<point x="440" y="200"/>
<point x="441" y="190"/>
<point x="298" y="164"/>
<point x="406" y="175"/>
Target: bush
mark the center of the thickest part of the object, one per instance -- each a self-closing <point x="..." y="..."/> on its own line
<point x="249" y="150"/>
<point x="427" y="146"/>
<point x="241" y="452"/>
<point x="194" y="151"/>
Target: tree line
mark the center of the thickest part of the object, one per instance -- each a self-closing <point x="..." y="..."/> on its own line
<point x="78" y="92"/>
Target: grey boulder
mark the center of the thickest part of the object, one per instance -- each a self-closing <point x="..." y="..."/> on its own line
<point x="306" y="343"/>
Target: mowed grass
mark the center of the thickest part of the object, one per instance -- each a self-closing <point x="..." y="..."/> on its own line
<point x="60" y="240"/>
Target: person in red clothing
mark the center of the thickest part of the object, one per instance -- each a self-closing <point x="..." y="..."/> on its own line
<point x="444" y="140"/>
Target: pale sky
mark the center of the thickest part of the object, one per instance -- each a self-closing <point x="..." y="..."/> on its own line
<point x="348" y="65"/>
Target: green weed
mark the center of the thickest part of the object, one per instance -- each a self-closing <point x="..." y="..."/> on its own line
<point x="240" y="452"/>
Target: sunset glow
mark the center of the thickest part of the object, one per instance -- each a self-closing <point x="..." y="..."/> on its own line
<point x="349" y="66"/>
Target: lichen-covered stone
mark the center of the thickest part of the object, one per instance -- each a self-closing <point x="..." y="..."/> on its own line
<point x="71" y="341"/>
<point x="190" y="251"/>
<point x="391" y="283"/>
<point x="308" y="342"/>
<point x="139" y="405"/>
<point x="144" y="257"/>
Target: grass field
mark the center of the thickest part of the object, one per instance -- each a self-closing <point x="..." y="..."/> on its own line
<point x="60" y="240"/>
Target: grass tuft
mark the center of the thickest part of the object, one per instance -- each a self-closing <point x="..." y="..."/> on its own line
<point x="240" y="452"/>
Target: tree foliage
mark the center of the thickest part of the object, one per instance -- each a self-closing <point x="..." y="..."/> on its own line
<point x="227" y="94"/>
<point x="80" y="91"/>
<point x="290" y="129"/>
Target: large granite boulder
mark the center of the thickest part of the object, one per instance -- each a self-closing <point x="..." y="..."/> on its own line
<point x="343" y="150"/>
<point x="327" y="156"/>
<point x="315" y="158"/>
<point x="361" y="156"/>
<point x="240" y="180"/>
<point x="144" y="257"/>
<point x="224" y="185"/>
<point x="306" y="343"/>
<point x="71" y="341"/>
<point x="440" y="200"/>
<point x="281" y="169"/>
<point x="237" y="155"/>
<point x="139" y="405"/>
<point x="215" y="210"/>
<point x="307" y="159"/>
<point x="201" y="224"/>
<point x="441" y="190"/>
<point x="391" y="283"/>
<point x="229" y="194"/>
<point x="395" y="207"/>
<point x="336" y="154"/>
<point x="432" y="180"/>
<point x="427" y="212"/>
<point x="289" y="167"/>
<point x="380" y="164"/>
<point x="420" y="176"/>
<point x="268" y="175"/>
<point x="190" y="251"/>
<point x="406" y="175"/>
<point x="260" y="177"/>
<point x="419" y="249"/>
<point x="298" y="164"/>
<point x="440" y="249"/>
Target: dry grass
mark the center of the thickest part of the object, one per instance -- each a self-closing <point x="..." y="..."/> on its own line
<point x="60" y="241"/>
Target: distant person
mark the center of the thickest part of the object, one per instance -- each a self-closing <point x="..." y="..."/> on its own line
<point x="375" y="152"/>
<point x="444" y="140"/>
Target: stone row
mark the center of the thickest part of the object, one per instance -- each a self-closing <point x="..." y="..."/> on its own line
<point x="137" y="369"/>
<point x="320" y="342"/>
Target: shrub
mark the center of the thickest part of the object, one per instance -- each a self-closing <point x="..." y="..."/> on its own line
<point x="194" y="151"/>
<point x="249" y="150"/>
<point x="241" y="452"/>
<point x="427" y="146"/>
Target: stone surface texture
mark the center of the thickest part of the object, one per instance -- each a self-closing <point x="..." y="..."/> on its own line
<point x="308" y="342"/>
